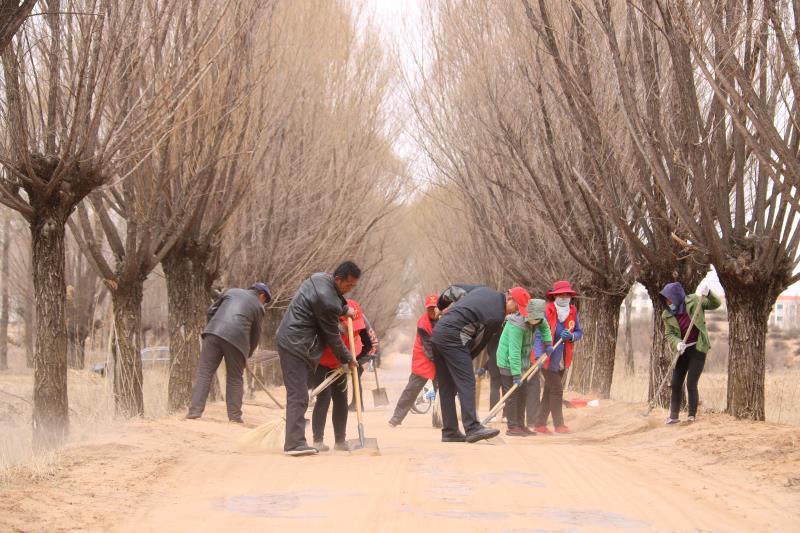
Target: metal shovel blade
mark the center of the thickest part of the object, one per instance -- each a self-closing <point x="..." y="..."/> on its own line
<point x="362" y="444"/>
<point x="380" y="398"/>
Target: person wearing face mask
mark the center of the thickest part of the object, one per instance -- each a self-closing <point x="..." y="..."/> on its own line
<point x="684" y="313"/>
<point x="513" y="355"/>
<point x="565" y="325"/>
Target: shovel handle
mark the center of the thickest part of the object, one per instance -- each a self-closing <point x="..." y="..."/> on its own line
<point x="354" y="370"/>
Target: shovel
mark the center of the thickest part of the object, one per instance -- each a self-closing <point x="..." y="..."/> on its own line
<point x="362" y="444"/>
<point x="379" y="396"/>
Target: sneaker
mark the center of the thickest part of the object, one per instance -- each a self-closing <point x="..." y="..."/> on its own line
<point x="459" y="437"/>
<point x="483" y="433"/>
<point x="301" y="450"/>
<point x="394" y="423"/>
<point x="529" y="431"/>
<point x="236" y="421"/>
<point x="341" y="447"/>
<point x="691" y="419"/>
<point x="671" y="421"/>
<point x="516" y="432"/>
<point x="542" y="429"/>
<point x="321" y="446"/>
<point x="191" y="416"/>
<point x="562" y="429"/>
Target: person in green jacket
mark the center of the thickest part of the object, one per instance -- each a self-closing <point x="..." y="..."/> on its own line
<point x="514" y="358"/>
<point x="684" y="314"/>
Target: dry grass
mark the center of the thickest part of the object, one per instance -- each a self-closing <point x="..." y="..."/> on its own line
<point x="91" y="412"/>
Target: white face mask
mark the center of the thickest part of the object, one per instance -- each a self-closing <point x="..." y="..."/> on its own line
<point x="562" y="301"/>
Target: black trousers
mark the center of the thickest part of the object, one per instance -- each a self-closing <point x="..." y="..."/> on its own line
<point x="295" y="378"/>
<point x="213" y="350"/>
<point x="688" y="368"/>
<point x="408" y="397"/>
<point x="454" y="374"/>
<point x="551" y="399"/>
<point x="533" y="396"/>
<point x="515" y="405"/>
<point x="352" y="405"/>
<point x="336" y="392"/>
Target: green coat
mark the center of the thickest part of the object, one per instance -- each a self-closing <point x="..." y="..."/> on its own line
<point x="516" y="343"/>
<point x="673" y="331"/>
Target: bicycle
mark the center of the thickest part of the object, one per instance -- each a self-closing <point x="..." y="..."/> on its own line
<point x="424" y="400"/>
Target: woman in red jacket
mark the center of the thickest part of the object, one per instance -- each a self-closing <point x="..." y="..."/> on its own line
<point x="337" y="391"/>
<point x="422" y="368"/>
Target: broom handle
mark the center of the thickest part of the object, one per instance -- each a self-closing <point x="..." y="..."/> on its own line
<point x="332" y="376"/>
<point x="263" y="387"/>
<point x="528" y="373"/>
<point x="356" y="386"/>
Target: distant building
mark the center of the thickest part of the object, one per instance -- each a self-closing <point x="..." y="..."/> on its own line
<point x="786" y="313"/>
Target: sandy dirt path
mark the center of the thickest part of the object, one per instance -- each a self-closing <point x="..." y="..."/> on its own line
<point x="616" y="472"/>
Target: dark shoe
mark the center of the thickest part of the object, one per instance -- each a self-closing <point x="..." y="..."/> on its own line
<point x="191" y="416"/>
<point x="341" y="447"/>
<point x="236" y="420"/>
<point x="482" y="434"/>
<point x="302" y="450"/>
<point x="528" y="431"/>
<point x="321" y="446"/>
<point x="460" y="437"/>
<point x="394" y="423"/>
<point x="516" y="432"/>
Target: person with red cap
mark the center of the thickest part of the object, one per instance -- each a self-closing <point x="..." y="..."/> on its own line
<point x="563" y="319"/>
<point x="422" y="367"/>
<point x="513" y="355"/>
<point x="337" y="391"/>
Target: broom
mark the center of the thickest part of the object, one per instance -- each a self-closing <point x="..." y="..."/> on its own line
<point x="270" y="435"/>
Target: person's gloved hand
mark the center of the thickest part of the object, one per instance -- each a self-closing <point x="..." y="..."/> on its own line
<point x="703" y="289"/>
<point x="548" y="349"/>
<point x="516" y="380"/>
<point x="567" y="335"/>
<point x="481" y="372"/>
<point x="681" y="347"/>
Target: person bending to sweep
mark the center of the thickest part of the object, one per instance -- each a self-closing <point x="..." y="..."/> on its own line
<point x="562" y="317"/>
<point x="513" y="355"/>
<point x="337" y="391"/>
<point x="309" y="324"/>
<point x="459" y="336"/>
<point x="681" y="313"/>
<point x="422" y="366"/>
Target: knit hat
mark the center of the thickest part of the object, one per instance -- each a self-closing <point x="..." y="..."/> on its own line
<point x="521" y="298"/>
<point x="535" y="310"/>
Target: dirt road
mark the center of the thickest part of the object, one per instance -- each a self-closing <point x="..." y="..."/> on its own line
<point x="615" y="472"/>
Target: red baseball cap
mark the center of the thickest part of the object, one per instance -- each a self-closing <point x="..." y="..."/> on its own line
<point x="430" y="300"/>
<point x="358" y="320"/>
<point x="521" y="298"/>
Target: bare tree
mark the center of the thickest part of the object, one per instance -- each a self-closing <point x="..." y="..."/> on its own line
<point x="4" y="270"/>
<point x="13" y="14"/>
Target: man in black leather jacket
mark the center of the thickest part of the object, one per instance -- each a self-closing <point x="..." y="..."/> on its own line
<point x="232" y="332"/>
<point x="310" y="323"/>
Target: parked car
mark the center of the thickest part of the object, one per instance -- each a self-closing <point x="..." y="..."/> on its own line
<point x="152" y="356"/>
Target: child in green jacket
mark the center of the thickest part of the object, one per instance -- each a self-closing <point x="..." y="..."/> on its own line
<point x="514" y="358"/>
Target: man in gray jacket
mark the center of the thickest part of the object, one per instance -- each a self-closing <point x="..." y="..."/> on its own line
<point x="310" y="323"/>
<point x="232" y="332"/>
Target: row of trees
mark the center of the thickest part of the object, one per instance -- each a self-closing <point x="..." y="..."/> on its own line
<point x="621" y="142"/>
<point x="219" y="142"/>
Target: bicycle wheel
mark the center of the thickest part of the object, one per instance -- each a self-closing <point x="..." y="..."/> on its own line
<point x="422" y="404"/>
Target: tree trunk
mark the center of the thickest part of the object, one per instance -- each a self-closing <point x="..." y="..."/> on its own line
<point x="630" y="368"/>
<point x="50" y="402"/>
<point x="76" y="350"/>
<point x="188" y="301"/>
<point x="4" y="294"/>
<point x="30" y="328"/>
<point x="749" y="306"/>
<point x="127" y="301"/>
<point x="595" y="353"/>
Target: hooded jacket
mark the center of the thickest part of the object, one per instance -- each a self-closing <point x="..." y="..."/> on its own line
<point x="472" y="321"/>
<point x="422" y="358"/>
<point x="689" y="305"/>
<point x="312" y="321"/>
<point x="516" y="343"/>
<point x="236" y="317"/>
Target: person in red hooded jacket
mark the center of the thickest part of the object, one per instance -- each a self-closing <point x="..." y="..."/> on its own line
<point x="337" y="391"/>
<point x="422" y="367"/>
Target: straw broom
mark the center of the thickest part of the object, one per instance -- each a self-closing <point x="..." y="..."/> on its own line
<point x="271" y="435"/>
